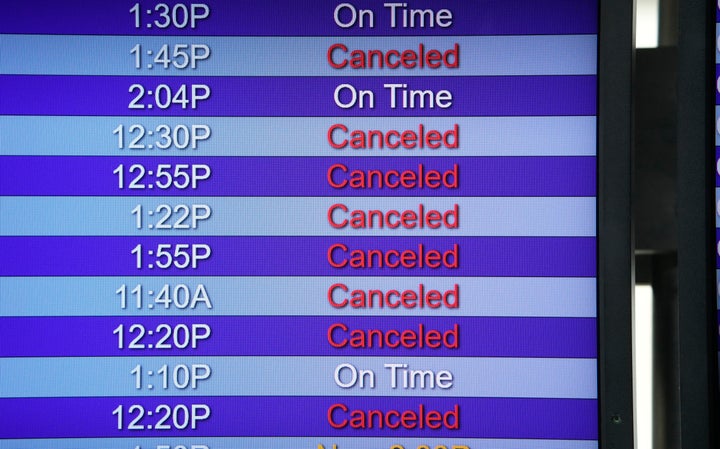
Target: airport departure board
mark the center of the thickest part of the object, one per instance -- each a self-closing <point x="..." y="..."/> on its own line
<point x="717" y="169"/>
<point x="299" y="224"/>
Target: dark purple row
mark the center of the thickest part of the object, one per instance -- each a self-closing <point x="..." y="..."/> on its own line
<point x="292" y="18"/>
<point x="292" y="96"/>
<point x="297" y="256"/>
<point x="254" y="416"/>
<point x="297" y="176"/>
<point x="296" y="336"/>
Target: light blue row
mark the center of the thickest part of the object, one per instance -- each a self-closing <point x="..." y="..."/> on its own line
<point x="106" y="216"/>
<point x="717" y="43"/>
<point x="299" y="56"/>
<point x="293" y="443"/>
<point x="297" y="376"/>
<point x="283" y="136"/>
<point x="96" y="296"/>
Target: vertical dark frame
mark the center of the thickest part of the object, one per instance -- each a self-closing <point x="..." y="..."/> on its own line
<point x="697" y="324"/>
<point x="615" y="237"/>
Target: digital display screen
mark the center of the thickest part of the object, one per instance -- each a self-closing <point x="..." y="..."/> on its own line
<point x="716" y="88"/>
<point x="326" y="224"/>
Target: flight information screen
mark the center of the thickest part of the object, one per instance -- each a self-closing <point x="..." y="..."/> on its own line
<point x="717" y="160"/>
<point x="323" y="224"/>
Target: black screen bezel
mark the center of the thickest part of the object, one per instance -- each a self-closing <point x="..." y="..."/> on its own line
<point x="697" y="259"/>
<point x="615" y="233"/>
